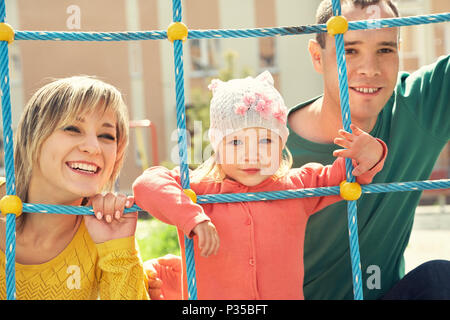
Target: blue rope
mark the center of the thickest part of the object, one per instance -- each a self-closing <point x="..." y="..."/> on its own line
<point x="61" y="209"/>
<point x="182" y="146"/>
<point x="90" y="36"/>
<point x="10" y="256"/>
<point x="228" y="33"/>
<point x="10" y="241"/>
<point x="260" y="196"/>
<point x="406" y="186"/>
<point x="322" y="191"/>
<point x="346" y="119"/>
<point x="354" y="250"/>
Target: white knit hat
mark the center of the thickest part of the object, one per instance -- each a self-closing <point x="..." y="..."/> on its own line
<point x="244" y="103"/>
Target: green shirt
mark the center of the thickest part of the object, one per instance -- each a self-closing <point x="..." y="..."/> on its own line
<point x="415" y="124"/>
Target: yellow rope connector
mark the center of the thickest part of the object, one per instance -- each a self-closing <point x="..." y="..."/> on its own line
<point x="337" y="25"/>
<point x="6" y="32"/>
<point x="350" y="190"/>
<point x="177" y="31"/>
<point x="191" y="194"/>
<point x="10" y="204"/>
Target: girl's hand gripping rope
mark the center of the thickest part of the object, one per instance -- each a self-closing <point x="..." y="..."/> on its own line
<point x="365" y="150"/>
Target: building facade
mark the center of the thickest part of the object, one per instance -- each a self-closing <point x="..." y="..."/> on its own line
<point x="144" y="70"/>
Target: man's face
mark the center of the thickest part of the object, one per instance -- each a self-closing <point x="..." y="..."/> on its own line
<point x="372" y="63"/>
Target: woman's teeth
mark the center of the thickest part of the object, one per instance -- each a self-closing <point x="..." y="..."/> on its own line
<point x="84" y="167"/>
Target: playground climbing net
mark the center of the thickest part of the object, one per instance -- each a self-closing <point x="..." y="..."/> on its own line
<point x="177" y="32"/>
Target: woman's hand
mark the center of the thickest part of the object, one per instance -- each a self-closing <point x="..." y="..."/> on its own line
<point x="109" y="221"/>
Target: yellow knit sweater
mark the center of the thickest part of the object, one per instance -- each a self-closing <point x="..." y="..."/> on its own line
<point x="83" y="270"/>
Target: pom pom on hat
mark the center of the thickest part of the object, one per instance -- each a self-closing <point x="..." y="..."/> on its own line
<point x="244" y="103"/>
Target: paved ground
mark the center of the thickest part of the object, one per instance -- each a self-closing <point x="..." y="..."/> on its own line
<point x="430" y="238"/>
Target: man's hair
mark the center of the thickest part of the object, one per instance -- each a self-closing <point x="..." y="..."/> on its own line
<point x="325" y="12"/>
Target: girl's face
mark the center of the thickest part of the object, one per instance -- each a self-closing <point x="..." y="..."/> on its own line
<point x="76" y="160"/>
<point x="250" y="155"/>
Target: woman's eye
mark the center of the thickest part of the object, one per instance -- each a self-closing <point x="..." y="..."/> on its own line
<point x="71" y="129"/>
<point x="108" y="136"/>
<point x="265" y="141"/>
<point x="350" y="51"/>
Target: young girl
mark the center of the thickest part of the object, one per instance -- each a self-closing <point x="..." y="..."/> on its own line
<point x="261" y="243"/>
<point x="69" y="147"/>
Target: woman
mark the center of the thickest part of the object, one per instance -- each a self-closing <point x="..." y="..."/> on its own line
<point x="69" y="148"/>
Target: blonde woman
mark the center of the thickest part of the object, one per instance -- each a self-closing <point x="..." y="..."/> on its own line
<point x="69" y="147"/>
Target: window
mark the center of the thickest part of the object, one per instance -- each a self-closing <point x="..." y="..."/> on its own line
<point x="204" y="57"/>
<point x="267" y="53"/>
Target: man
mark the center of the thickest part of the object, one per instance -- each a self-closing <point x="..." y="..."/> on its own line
<point x="411" y="113"/>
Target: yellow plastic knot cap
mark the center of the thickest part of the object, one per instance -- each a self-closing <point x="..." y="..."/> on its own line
<point x="10" y="204"/>
<point x="6" y="32"/>
<point x="350" y="190"/>
<point x="177" y="31"/>
<point x="337" y="25"/>
<point x="191" y="194"/>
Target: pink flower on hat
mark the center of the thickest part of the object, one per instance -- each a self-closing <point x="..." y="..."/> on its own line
<point x="263" y="106"/>
<point x="260" y="102"/>
<point x="214" y="84"/>
<point x="249" y="99"/>
<point x="280" y="113"/>
<point x="240" y="109"/>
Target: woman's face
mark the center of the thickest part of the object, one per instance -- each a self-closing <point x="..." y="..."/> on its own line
<point x="76" y="160"/>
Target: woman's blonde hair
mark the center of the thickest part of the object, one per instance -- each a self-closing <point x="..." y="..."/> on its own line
<point x="56" y="105"/>
<point x="210" y="169"/>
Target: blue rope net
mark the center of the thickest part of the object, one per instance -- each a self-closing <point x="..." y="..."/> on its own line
<point x="181" y="125"/>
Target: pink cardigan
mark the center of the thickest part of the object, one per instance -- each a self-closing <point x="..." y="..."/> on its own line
<point x="261" y="243"/>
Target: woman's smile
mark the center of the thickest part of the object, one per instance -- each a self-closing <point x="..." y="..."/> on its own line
<point x="83" y="167"/>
